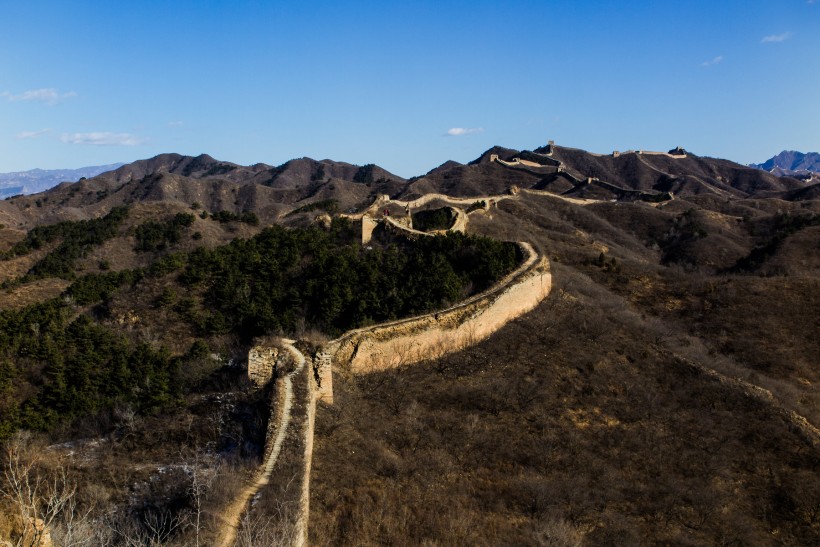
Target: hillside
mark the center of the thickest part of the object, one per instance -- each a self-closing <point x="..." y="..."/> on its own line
<point x="664" y="391"/>
<point x="205" y="182"/>
<point x="271" y="192"/>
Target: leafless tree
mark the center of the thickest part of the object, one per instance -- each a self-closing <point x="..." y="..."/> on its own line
<point x="39" y="498"/>
<point x="275" y="527"/>
<point x="161" y="526"/>
<point x="202" y="478"/>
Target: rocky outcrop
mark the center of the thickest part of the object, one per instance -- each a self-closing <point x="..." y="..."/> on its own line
<point x="262" y="362"/>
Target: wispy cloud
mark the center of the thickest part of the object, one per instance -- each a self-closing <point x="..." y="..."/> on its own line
<point x="102" y="138"/>
<point x="34" y="134"/>
<point x="49" y="96"/>
<point x="177" y="123"/>
<point x="714" y="61"/>
<point x="459" y="131"/>
<point x="775" y="38"/>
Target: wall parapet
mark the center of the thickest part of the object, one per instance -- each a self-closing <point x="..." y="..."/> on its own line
<point x="262" y="362"/>
<point x="407" y="341"/>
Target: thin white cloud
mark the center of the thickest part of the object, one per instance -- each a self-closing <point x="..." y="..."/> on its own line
<point x="714" y="61"/>
<point x="34" y="134"/>
<point x="459" y="131"/>
<point x="49" y="96"/>
<point x="102" y="138"/>
<point x="776" y="38"/>
<point x="176" y="124"/>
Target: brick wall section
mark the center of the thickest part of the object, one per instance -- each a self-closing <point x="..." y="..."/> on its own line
<point x="261" y="364"/>
<point x="429" y="336"/>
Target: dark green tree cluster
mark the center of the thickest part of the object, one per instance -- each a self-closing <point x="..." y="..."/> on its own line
<point x="480" y="204"/>
<point x="54" y="368"/>
<point x="433" y="219"/>
<point x="97" y="287"/>
<point x="226" y="216"/>
<point x="157" y="236"/>
<point x="93" y="231"/>
<point x="272" y="282"/>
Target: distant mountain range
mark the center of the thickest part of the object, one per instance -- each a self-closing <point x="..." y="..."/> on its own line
<point x="303" y="184"/>
<point x="38" y="180"/>
<point x="790" y="163"/>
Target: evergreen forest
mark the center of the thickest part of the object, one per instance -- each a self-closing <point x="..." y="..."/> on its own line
<point x="66" y="358"/>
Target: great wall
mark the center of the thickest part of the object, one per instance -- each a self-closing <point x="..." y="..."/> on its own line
<point x="268" y="360"/>
<point x="395" y="343"/>
<point x="391" y="344"/>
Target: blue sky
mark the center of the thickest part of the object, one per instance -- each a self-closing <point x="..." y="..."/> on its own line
<point x="406" y="85"/>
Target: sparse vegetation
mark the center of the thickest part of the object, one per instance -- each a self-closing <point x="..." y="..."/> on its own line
<point x="77" y="238"/>
<point x="622" y="411"/>
<point x="330" y="206"/>
<point x="83" y="232"/>
<point x="227" y="216"/>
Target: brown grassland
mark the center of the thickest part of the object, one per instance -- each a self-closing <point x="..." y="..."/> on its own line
<point x="590" y="420"/>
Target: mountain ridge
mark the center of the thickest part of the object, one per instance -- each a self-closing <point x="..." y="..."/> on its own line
<point x="791" y="162"/>
<point x="273" y="191"/>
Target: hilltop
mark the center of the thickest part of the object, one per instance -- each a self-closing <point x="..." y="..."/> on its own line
<point x="791" y="162"/>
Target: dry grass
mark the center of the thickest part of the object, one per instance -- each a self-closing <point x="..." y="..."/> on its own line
<point x="32" y="293"/>
<point x="574" y="422"/>
<point x="584" y="422"/>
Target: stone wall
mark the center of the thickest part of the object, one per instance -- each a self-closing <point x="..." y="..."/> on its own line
<point x="449" y="200"/>
<point x="261" y="364"/>
<point x="515" y="162"/>
<point x="368" y="225"/>
<point x="433" y="335"/>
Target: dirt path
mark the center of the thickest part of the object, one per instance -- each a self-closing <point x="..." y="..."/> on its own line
<point x="284" y="390"/>
<point x="304" y="501"/>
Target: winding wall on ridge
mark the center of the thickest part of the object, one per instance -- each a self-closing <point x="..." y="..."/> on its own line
<point x="429" y="336"/>
<point x="371" y="348"/>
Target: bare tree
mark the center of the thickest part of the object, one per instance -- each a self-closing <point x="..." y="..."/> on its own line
<point x="161" y="526"/>
<point x="38" y="498"/>
<point x="202" y="478"/>
<point x="276" y="527"/>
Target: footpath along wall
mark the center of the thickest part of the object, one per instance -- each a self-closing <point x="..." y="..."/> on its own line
<point x="287" y="365"/>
